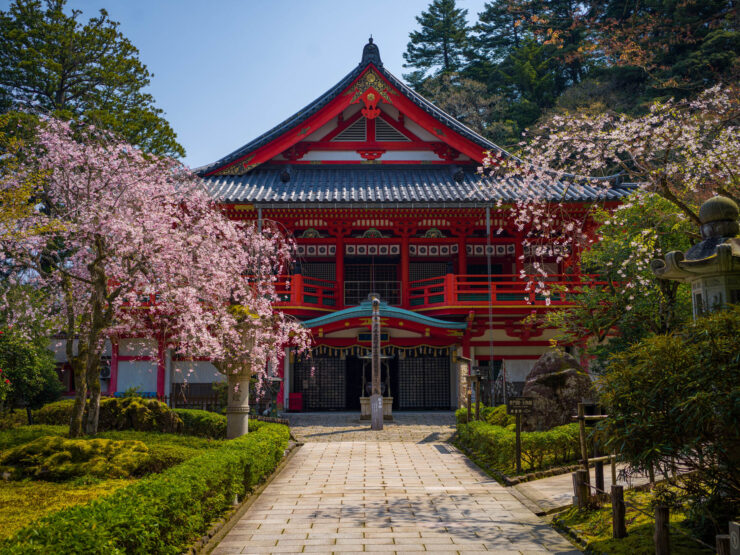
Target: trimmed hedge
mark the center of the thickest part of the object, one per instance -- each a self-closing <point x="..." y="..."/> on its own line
<point x="495" y="446"/>
<point x="129" y="413"/>
<point x="56" y="458"/>
<point x="203" y="423"/>
<point x="163" y="513"/>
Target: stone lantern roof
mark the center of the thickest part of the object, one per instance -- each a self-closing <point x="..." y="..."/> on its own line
<point x="717" y="253"/>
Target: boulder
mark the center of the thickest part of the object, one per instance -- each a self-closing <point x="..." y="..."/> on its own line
<point x="558" y="383"/>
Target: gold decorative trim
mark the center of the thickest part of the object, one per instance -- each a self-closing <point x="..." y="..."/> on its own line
<point x="239" y="168"/>
<point x="370" y="80"/>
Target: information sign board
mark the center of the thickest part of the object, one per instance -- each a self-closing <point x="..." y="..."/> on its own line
<point x="520" y="405"/>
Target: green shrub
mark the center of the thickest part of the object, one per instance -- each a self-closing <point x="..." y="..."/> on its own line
<point x="12" y="419"/>
<point x="55" y="458"/>
<point x="493" y="415"/>
<point x="165" y="450"/>
<point x="25" y="434"/>
<point x="496" y="446"/>
<point x="674" y="400"/>
<point x="131" y="413"/>
<point x="202" y="423"/>
<point x="161" y="513"/>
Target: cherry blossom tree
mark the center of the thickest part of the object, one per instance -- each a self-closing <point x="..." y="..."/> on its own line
<point x="132" y="245"/>
<point x="683" y="151"/>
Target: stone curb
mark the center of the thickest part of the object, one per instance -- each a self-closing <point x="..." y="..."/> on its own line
<point x="223" y="525"/>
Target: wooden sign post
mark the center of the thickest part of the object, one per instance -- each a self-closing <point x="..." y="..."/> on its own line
<point x="518" y="406"/>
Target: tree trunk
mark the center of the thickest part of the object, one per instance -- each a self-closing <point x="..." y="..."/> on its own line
<point x="78" y="411"/>
<point x="29" y="415"/>
<point x="100" y="318"/>
<point x="93" y="382"/>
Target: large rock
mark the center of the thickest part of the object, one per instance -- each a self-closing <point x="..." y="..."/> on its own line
<point x="558" y="383"/>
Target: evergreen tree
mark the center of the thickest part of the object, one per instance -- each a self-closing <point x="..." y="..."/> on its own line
<point x="464" y="99"/>
<point x="683" y="46"/>
<point x="502" y="26"/>
<point x="441" y="45"/>
<point x="50" y="62"/>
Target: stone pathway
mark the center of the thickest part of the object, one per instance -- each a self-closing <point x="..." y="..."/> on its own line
<point x="389" y="497"/>
<point x="415" y="427"/>
<point x="556" y="492"/>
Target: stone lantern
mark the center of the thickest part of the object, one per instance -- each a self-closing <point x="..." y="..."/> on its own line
<point x="238" y="372"/>
<point x="712" y="267"/>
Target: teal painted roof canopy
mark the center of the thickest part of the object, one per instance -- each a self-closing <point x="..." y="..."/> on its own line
<point x="365" y="310"/>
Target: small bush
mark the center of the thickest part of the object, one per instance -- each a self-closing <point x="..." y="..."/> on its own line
<point x="496" y="446"/>
<point x="493" y="415"/>
<point x="55" y="458"/>
<point x="161" y="513"/>
<point x="12" y="419"/>
<point x="132" y="413"/>
<point x="202" y="423"/>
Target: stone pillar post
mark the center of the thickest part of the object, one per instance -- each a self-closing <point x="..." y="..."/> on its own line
<point x="237" y="411"/>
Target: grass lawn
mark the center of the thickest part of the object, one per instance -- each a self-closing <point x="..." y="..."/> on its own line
<point x="24" y="502"/>
<point x="595" y="528"/>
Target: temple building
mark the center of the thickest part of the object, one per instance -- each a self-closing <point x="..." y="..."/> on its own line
<point x="381" y="191"/>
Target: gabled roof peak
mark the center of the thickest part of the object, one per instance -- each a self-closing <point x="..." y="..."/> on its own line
<point x="371" y="54"/>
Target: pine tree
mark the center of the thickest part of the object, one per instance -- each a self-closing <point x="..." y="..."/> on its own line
<point x="53" y="63"/>
<point x="441" y="45"/>
<point x="502" y="26"/>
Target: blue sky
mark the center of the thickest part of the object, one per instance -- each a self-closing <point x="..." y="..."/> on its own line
<point x="225" y="70"/>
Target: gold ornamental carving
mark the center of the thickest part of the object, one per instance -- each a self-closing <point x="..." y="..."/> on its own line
<point x="370" y="80"/>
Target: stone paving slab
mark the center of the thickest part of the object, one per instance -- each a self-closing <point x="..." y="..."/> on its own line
<point x="416" y="427"/>
<point x="387" y="497"/>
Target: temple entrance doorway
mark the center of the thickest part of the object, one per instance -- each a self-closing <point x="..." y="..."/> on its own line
<point x="355" y="385"/>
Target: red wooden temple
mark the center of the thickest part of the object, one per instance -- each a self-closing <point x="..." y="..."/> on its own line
<point x="381" y="191"/>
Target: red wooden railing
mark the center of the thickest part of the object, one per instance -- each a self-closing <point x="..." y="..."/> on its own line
<point x="450" y="290"/>
<point x="505" y="289"/>
<point x="299" y="290"/>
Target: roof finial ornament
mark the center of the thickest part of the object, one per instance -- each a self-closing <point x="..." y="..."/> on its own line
<point x="371" y="54"/>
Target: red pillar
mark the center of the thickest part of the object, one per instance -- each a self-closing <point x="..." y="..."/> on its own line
<point x="113" y="383"/>
<point x="339" y="270"/>
<point x="160" y="368"/>
<point x="462" y="257"/>
<point x="405" y="270"/>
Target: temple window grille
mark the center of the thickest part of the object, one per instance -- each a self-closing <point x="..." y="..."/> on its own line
<point x="424" y="383"/>
<point x="363" y="279"/>
<point x="320" y="270"/>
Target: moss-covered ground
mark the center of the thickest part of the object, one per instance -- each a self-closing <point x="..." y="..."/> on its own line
<point x="22" y="502"/>
<point x="595" y="528"/>
<point x="27" y="501"/>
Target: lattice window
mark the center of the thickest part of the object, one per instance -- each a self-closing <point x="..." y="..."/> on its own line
<point x="323" y="270"/>
<point x="425" y="270"/>
<point x="368" y="272"/>
<point x="355" y="132"/>
<point x="424" y="383"/>
<point x="326" y="388"/>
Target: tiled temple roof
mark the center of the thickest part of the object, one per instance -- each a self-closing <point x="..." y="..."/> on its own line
<point x="422" y="184"/>
<point x="302" y="115"/>
<point x="380" y="184"/>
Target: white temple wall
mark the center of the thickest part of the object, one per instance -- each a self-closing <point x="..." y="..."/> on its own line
<point x="195" y="371"/>
<point x="141" y="374"/>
